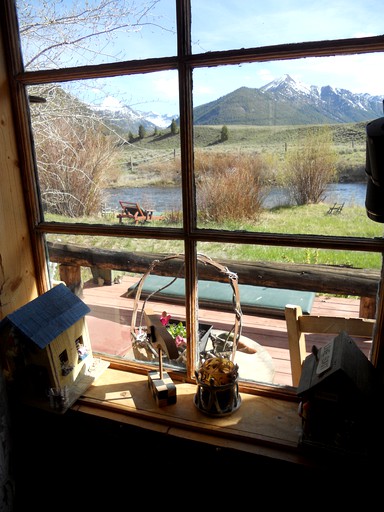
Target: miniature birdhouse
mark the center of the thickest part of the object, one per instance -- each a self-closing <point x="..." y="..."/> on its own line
<point x="45" y="348"/>
<point x="337" y="391"/>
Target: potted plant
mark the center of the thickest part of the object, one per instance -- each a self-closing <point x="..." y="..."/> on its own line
<point x="177" y="329"/>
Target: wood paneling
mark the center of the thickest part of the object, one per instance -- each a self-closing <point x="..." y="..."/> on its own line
<point x="17" y="276"/>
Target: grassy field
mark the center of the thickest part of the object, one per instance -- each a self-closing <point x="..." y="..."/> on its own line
<point x="310" y="219"/>
<point x="350" y="135"/>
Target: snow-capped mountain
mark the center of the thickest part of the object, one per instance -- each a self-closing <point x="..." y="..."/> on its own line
<point x="287" y="101"/>
<point x="159" y="120"/>
<point x="283" y="101"/>
<point x="290" y="86"/>
<point x="126" y="119"/>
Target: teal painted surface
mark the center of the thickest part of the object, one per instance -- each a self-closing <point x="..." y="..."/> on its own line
<point x="258" y="297"/>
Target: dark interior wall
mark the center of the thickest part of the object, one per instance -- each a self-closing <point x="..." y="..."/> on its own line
<point x="87" y="460"/>
<point x="80" y="462"/>
<point x="7" y="482"/>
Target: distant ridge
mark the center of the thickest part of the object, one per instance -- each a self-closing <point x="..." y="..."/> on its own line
<point x="285" y="101"/>
<point x="282" y="102"/>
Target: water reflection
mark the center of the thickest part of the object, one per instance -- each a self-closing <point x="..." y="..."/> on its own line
<point x="162" y="199"/>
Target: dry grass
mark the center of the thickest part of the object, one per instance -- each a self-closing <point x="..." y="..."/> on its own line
<point x="229" y="186"/>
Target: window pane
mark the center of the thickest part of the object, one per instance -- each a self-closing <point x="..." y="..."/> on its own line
<point x="218" y="25"/>
<point x="274" y="153"/>
<point x="109" y="288"/>
<point x="269" y="278"/>
<point x="59" y="34"/>
<point x="97" y="146"/>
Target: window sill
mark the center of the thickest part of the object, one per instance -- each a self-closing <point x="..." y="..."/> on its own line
<point x="262" y="426"/>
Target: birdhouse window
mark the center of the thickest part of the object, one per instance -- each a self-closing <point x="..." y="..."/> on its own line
<point x="81" y="349"/>
<point x="66" y="368"/>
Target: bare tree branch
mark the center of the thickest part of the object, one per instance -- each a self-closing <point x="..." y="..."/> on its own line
<point x="76" y="155"/>
<point x="50" y="28"/>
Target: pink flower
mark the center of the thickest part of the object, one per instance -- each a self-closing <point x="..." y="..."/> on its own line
<point x="165" y="318"/>
<point x="180" y="341"/>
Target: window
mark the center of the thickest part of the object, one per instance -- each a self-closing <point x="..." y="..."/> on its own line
<point x="164" y="132"/>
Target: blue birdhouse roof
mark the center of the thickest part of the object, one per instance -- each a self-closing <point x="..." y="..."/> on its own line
<point x="49" y="315"/>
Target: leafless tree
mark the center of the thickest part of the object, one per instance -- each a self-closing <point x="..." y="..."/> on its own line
<point x="230" y="187"/>
<point x="76" y="155"/>
<point x="310" y="167"/>
<point x="55" y="33"/>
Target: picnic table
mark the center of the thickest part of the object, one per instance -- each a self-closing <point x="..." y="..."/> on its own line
<point x="131" y="210"/>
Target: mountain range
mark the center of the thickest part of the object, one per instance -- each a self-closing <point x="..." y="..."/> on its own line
<point x="288" y="102"/>
<point x="125" y="119"/>
<point x="284" y="101"/>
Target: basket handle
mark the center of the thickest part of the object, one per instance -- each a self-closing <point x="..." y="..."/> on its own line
<point x="233" y="280"/>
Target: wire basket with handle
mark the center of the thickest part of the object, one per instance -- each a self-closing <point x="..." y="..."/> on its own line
<point x="141" y="337"/>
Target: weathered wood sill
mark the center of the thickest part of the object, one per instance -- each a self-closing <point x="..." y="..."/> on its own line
<point x="265" y="426"/>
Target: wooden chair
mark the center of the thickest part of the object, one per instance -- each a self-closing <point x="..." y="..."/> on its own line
<point x="336" y="208"/>
<point x="299" y="324"/>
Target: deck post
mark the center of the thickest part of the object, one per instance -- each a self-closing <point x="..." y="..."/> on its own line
<point x="104" y="274"/>
<point x="71" y="275"/>
<point x="367" y="307"/>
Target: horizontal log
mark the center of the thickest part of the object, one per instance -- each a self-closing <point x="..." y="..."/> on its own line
<point x="335" y="280"/>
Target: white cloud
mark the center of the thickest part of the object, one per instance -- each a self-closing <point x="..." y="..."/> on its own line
<point x="166" y="85"/>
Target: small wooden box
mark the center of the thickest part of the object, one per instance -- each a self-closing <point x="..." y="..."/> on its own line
<point x="163" y="390"/>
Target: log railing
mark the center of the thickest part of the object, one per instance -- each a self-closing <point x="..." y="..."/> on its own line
<point x="329" y="279"/>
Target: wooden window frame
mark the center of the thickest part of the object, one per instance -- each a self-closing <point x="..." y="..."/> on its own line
<point x="184" y="62"/>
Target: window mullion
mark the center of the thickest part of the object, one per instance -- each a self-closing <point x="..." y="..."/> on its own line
<point x="188" y="189"/>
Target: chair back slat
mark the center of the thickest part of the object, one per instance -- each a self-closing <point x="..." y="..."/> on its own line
<point x="298" y="325"/>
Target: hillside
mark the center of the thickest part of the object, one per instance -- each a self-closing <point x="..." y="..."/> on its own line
<point x="349" y="140"/>
<point x="253" y="137"/>
<point x="286" y="101"/>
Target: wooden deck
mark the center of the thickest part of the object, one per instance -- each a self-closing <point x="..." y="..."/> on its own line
<point x="110" y="319"/>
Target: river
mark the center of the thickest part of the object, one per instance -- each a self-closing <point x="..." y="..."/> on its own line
<point x="162" y="199"/>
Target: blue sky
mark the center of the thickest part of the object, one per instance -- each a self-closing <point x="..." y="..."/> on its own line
<point x="225" y="24"/>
